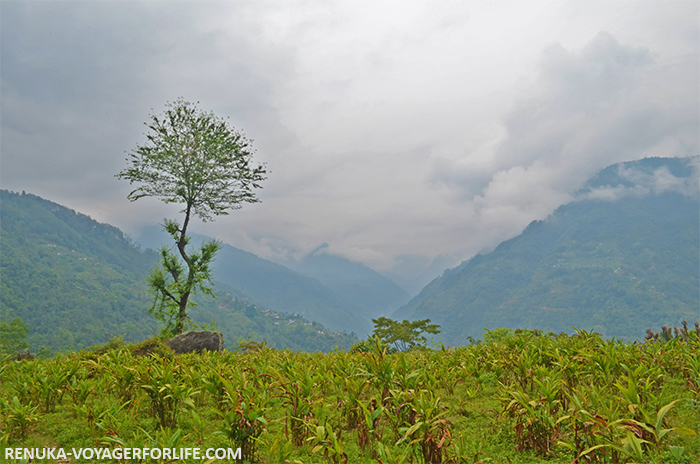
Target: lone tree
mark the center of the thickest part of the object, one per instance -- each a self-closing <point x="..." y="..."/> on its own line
<point x="196" y="159"/>
<point x="403" y="335"/>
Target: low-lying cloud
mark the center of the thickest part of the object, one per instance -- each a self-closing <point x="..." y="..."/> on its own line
<point x="635" y="182"/>
<point x="401" y="133"/>
<point x="587" y="109"/>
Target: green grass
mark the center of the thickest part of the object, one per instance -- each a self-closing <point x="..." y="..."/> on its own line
<point x="510" y="399"/>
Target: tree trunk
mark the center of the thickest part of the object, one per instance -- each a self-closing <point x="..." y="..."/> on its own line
<point x="182" y="313"/>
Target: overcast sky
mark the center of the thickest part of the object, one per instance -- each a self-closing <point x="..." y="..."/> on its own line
<point x="396" y="132"/>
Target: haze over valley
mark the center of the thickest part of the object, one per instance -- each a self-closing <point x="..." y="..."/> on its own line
<point x="481" y="164"/>
<point x="620" y="258"/>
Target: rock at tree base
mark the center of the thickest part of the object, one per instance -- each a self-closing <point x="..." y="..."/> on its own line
<point x="24" y="354"/>
<point x="188" y="342"/>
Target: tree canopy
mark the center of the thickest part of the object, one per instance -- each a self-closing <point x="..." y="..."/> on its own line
<point x="197" y="159"/>
<point x="403" y="335"/>
<point x="13" y="336"/>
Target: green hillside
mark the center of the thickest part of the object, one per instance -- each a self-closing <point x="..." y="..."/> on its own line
<point x="369" y="293"/>
<point x="282" y="289"/>
<point x="277" y="287"/>
<point x="76" y="282"/>
<point x="238" y="319"/>
<point x="615" y="266"/>
<point x="73" y="281"/>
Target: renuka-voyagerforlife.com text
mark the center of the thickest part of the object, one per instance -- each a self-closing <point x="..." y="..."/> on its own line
<point x="122" y="453"/>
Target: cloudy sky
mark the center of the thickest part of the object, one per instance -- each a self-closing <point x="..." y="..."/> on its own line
<point x="397" y="132"/>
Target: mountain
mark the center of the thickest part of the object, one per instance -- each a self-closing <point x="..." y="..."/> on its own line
<point x="282" y="289"/>
<point x="72" y="280"/>
<point x="412" y="272"/>
<point x="275" y="286"/>
<point x="238" y="318"/>
<point x="369" y="293"/>
<point x="76" y="282"/>
<point x="621" y="258"/>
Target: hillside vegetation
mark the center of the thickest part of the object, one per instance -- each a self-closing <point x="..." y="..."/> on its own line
<point x="76" y="282"/>
<point x="338" y="293"/>
<point x="621" y="259"/>
<point x="72" y="280"/>
<point x="369" y="293"/>
<point x="515" y="397"/>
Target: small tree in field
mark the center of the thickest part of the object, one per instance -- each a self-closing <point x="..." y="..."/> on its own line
<point x="403" y="335"/>
<point x="13" y="336"/>
<point x="196" y="159"/>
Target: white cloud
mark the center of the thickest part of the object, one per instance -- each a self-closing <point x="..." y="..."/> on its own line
<point x="394" y="131"/>
<point x="639" y="183"/>
<point x="585" y="110"/>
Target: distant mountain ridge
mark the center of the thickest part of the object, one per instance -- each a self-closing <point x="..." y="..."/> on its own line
<point x="76" y="282"/>
<point x="368" y="292"/>
<point x="340" y="294"/>
<point x="622" y="258"/>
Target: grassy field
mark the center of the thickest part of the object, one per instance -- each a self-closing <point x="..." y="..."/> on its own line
<point x="515" y="397"/>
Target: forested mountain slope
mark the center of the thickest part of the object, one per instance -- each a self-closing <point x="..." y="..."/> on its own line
<point x="72" y="280"/>
<point x="622" y="258"/>
<point x="369" y="293"/>
<point x="277" y="287"/>
<point x="76" y="282"/>
<point x="282" y="289"/>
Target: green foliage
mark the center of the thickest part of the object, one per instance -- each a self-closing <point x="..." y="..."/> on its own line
<point x="239" y="319"/>
<point x="18" y="418"/>
<point x="326" y="439"/>
<point x="13" y="336"/>
<point x="196" y="159"/>
<point x="171" y="283"/>
<point x="114" y="343"/>
<point x="521" y="396"/>
<point x="154" y="345"/>
<point x="165" y="383"/>
<point x="430" y="431"/>
<point x="403" y="335"/>
<point x="77" y="283"/>
<point x="243" y="414"/>
<point x="617" y="267"/>
<point x="73" y="281"/>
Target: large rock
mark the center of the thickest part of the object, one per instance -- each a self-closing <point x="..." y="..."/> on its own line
<point x="24" y="355"/>
<point x="188" y="342"/>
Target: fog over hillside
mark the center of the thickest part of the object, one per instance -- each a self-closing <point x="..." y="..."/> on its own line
<point x="621" y="258"/>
